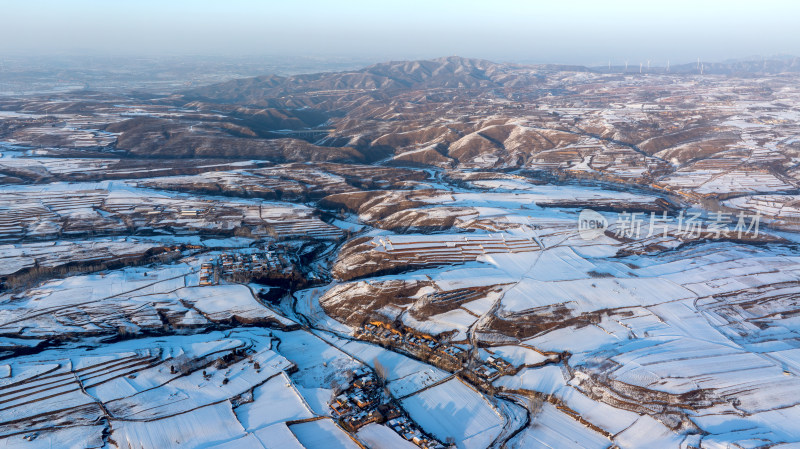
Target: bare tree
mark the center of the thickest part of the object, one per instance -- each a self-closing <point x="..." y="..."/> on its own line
<point x="336" y="388"/>
<point x="380" y="371"/>
<point x="535" y="404"/>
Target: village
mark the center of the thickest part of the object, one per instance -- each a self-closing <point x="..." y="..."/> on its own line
<point x="273" y="264"/>
<point x="363" y="401"/>
<point x="436" y="351"/>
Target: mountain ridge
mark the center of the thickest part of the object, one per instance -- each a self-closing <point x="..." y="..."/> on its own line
<point x="446" y="72"/>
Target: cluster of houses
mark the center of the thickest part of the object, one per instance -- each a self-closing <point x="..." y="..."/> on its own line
<point x="409" y="430"/>
<point x="362" y="403"/>
<point x="414" y="342"/>
<point x="256" y="262"/>
<point x="410" y="340"/>
<point x="208" y="275"/>
<point x="493" y="368"/>
<point x="357" y="405"/>
<point x="244" y="266"/>
<point x="432" y="349"/>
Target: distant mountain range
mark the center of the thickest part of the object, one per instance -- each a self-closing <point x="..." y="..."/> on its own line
<point x="764" y="66"/>
<point x="738" y="68"/>
<point x="448" y="72"/>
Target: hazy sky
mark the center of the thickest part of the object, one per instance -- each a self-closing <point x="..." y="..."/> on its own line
<point x="568" y="31"/>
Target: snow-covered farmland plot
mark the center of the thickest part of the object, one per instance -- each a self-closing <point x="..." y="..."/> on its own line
<point x="322" y="434"/>
<point x="163" y="387"/>
<point x="553" y="429"/>
<point x="454" y="410"/>
<point x="128" y="301"/>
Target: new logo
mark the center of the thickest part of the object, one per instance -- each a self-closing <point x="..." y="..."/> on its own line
<point x="591" y="224"/>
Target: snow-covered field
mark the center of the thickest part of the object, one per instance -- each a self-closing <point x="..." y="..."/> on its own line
<point x="129" y="300"/>
<point x="52" y="254"/>
<point x="454" y="410"/>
